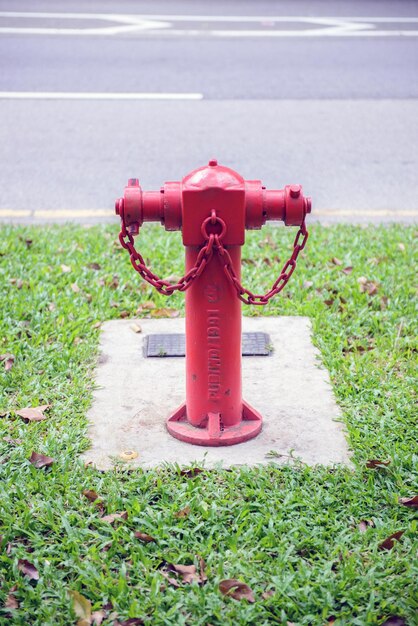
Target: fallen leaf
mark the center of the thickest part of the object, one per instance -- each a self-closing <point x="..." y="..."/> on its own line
<point x="192" y="472"/>
<point x="165" y="312"/>
<point x="40" y="460"/>
<point x="202" y="568"/>
<point x="384" y="302"/>
<point x="389" y="542"/>
<point x="307" y="284"/>
<point x="336" y="261"/>
<point x="377" y="463"/>
<point x="329" y="302"/>
<point x="52" y="306"/>
<point x="33" y="414"/>
<point x="131" y="621"/>
<point x="13" y="442"/>
<point x="236" y="589"/>
<point x="365" y="524"/>
<point x="347" y="270"/>
<point x="8" y="359"/>
<point x="94" y="266"/>
<point x="82" y="608"/>
<point x="66" y="269"/>
<point x="11" y="600"/>
<point x="115" y="516"/>
<point x="268" y="594"/>
<point x="124" y="314"/>
<point x="412" y="501"/>
<point x="187" y="573"/>
<point x="114" y="283"/>
<point x="90" y="494"/>
<point x="28" y="569"/>
<point x="98" y="617"/>
<point x="144" y="537"/>
<point x="75" y="288"/>
<point x="367" y="286"/>
<point x="183" y="512"/>
<point x="148" y="305"/>
<point x="97" y="325"/>
<point x="394" y="620"/>
<point x="401" y="247"/>
<point x="136" y="328"/>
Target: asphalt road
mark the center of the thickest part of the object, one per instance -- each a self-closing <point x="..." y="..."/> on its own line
<point x="320" y="93"/>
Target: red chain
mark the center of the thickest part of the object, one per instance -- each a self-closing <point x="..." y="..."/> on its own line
<point x="213" y="242"/>
<point x="164" y="286"/>
<point x="288" y="268"/>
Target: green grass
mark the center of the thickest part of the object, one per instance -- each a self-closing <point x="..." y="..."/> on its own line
<point x="292" y="530"/>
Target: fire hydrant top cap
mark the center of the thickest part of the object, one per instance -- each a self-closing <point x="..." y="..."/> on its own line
<point x="213" y="162"/>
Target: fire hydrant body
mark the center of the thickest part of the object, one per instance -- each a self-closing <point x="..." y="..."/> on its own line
<point x="213" y="206"/>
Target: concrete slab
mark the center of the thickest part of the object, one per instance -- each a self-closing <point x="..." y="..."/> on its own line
<point x="290" y="389"/>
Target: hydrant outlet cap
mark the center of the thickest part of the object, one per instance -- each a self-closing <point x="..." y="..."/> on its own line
<point x="213" y="162"/>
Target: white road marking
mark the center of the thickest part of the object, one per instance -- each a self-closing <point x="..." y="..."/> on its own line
<point x="163" y="24"/>
<point x="92" y="95"/>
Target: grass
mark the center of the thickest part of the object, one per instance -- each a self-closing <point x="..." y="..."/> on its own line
<point x="290" y="532"/>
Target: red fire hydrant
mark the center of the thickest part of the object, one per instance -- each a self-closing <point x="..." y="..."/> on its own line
<point x="213" y="206"/>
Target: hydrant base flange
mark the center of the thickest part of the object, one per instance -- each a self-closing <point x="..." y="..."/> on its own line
<point x="214" y="433"/>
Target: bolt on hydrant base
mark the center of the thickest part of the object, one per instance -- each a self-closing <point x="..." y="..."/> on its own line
<point x="135" y="395"/>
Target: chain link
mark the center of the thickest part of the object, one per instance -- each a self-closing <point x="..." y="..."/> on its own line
<point x="214" y="242"/>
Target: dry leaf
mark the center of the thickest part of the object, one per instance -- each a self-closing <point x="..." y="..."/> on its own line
<point x="389" y="542"/>
<point x="165" y="312"/>
<point x="365" y="524"/>
<point x="144" y="537"/>
<point x="90" y="494"/>
<point x="94" y="266"/>
<point x="329" y="302"/>
<point x="13" y="442"/>
<point x="131" y="621"/>
<point x="401" y="247"/>
<point x="268" y="594"/>
<point x="136" y="328"/>
<point x="412" y="501"/>
<point x="336" y="261"/>
<point x="75" y="288"/>
<point x="8" y="359"/>
<point x="347" y="270"/>
<point x="307" y="284"/>
<point x="149" y="305"/>
<point x="377" y="463"/>
<point x="65" y="268"/>
<point x="11" y="601"/>
<point x="187" y="573"/>
<point x="124" y="314"/>
<point x="367" y="286"/>
<point x="115" y="516"/>
<point x="82" y="608"/>
<point x="33" y="414"/>
<point x="114" y="284"/>
<point x="192" y="472"/>
<point x="98" y="617"/>
<point x="97" y="325"/>
<point x="40" y="460"/>
<point x="28" y="569"/>
<point x="394" y="620"/>
<point x="236" y="589"/>
<point x="183" y="512"/>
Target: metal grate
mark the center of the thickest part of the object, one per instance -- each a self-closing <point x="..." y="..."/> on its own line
<point x="174" y="344"/>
